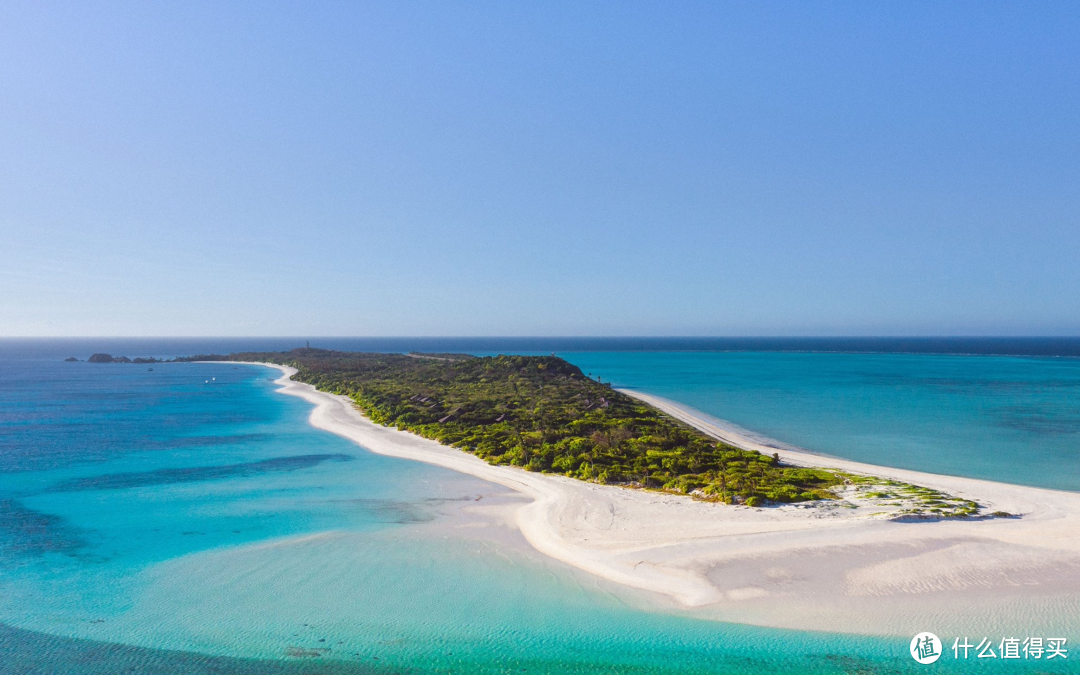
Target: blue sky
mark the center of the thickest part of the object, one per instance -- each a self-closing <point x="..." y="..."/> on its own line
<point x="509" y="168"/>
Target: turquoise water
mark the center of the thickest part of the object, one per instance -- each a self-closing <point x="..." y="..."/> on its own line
<point x="1011" y="419"/>
<point x="188" y="519"/>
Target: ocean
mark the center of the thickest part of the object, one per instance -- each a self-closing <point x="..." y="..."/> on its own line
<point x="186" y="518"/>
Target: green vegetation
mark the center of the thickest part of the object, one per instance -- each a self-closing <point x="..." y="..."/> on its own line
<point x="915" y="500"/>
<point x="541" y="413"/>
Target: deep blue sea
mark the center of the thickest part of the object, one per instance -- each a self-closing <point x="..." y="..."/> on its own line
<point x="186" y="518"/>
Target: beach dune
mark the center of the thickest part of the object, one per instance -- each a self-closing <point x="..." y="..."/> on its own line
<point x="817" y="568"/>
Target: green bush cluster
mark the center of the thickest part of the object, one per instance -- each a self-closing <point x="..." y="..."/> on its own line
<point x="543" y="414"/>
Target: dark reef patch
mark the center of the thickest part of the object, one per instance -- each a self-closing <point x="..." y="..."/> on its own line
<point x="120" y="481"/>
<point x="393" y="511"/>
<point x="32" y="653"/>
<point x="26" y="532"/>
<point x="1036" y="420"/>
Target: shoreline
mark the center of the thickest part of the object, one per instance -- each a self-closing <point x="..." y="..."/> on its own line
<point x="730" y="433"/>
<point x="788" y="566"/>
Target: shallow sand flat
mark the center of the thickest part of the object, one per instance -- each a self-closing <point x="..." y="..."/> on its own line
<point x="808" y="568"/>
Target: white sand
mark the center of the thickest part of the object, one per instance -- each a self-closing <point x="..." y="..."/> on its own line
<point x="811" y="568"/>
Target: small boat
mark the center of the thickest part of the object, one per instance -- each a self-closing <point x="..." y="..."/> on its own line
<point x="149" y="369"/>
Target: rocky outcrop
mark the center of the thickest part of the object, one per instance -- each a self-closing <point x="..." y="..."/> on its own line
<point x="109" y="358"/>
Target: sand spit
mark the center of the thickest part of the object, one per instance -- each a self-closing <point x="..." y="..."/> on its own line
<point x="832" y="568"/>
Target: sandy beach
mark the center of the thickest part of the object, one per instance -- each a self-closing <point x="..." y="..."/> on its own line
<point x="819" y="568"/>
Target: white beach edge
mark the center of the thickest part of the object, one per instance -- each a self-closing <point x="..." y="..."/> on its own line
<point x="788" y="566"/>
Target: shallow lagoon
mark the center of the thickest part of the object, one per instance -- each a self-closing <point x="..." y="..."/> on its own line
<point x="189" y="518"/>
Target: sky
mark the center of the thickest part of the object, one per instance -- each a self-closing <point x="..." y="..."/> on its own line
<point x="539" y="168"/>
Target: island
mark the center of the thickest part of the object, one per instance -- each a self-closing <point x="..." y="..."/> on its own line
<point x="109" y="358"/>
<point x="542" y="414"/>
<point x="648" y="494"/>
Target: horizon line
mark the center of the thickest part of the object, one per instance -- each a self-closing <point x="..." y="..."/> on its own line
<point x="549" y="337"/>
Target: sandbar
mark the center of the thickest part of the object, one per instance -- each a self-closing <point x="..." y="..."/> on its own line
<point x="812" y="568"/>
